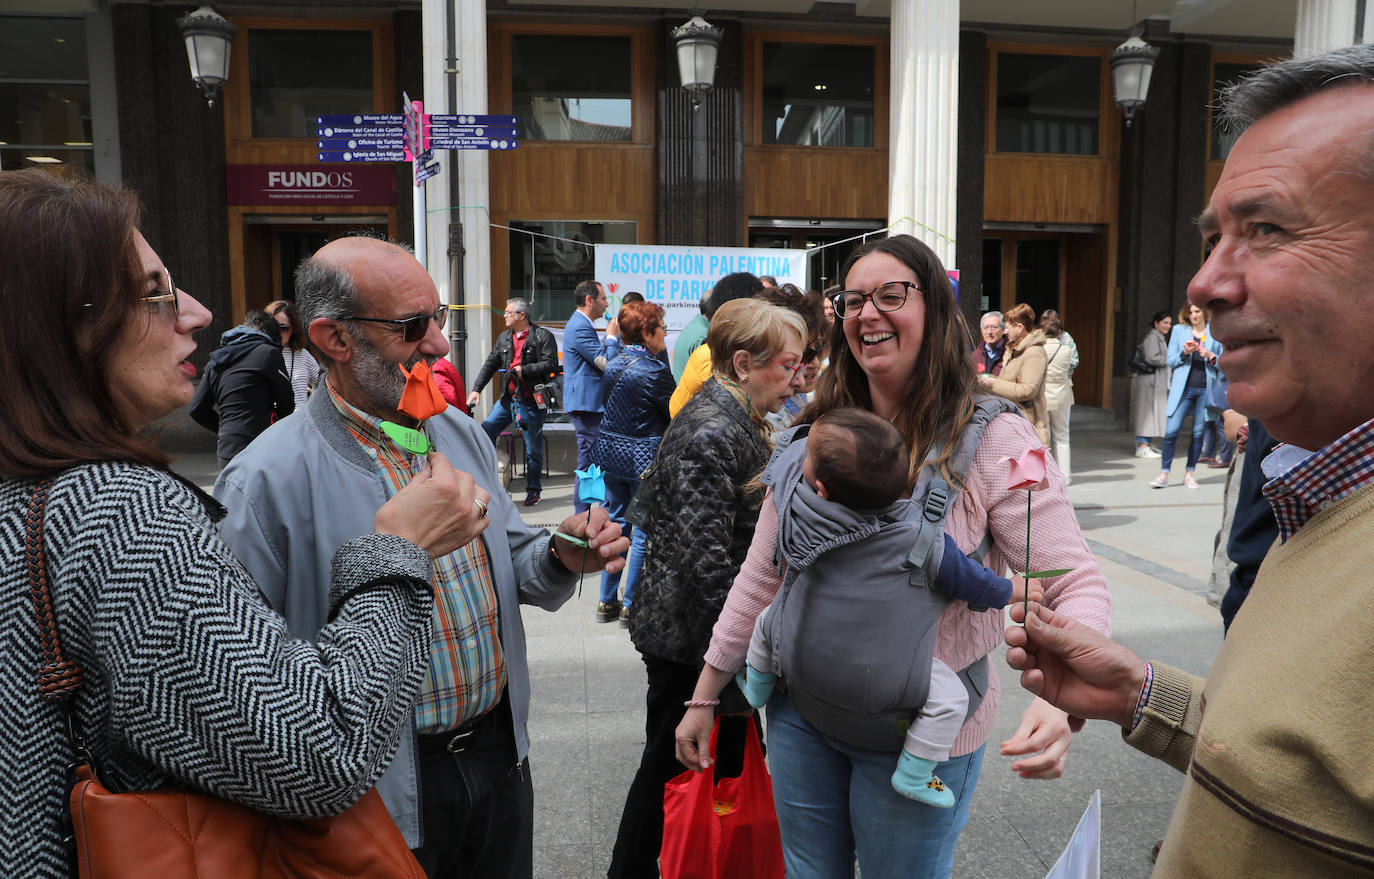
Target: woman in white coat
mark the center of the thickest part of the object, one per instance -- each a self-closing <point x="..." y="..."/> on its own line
<point x="1063" y="357"/>
<point x="1150" y="411"/>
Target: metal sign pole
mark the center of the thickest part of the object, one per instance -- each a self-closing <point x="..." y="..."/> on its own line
<point x="414" y="111"/>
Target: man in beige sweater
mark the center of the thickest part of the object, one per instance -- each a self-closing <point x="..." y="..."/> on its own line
<point x="1276" y="743"/>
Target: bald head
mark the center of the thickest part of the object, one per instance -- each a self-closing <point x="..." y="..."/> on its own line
<point x="379" y="269"/>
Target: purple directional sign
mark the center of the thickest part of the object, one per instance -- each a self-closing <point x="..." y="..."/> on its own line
<point x="362" y="143"/>
<point x="488" y="131"/>
<point x="436" y="119"/>
<point x="335" y="132"/>
<point x="389" y="119"/>
<point x="473" y="143"/>
<point x="364" y="156"/>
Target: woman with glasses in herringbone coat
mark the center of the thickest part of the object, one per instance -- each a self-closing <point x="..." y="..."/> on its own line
<point x="190" y="679"/>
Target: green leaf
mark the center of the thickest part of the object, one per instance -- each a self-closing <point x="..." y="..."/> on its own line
<point x="408" y="438"/>
<point x="1040" y="575"/>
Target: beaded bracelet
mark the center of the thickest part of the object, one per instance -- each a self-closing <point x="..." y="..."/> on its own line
<point x="701" y="703"/>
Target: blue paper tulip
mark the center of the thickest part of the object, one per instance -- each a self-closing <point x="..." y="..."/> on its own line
<point x="591" y="485"/>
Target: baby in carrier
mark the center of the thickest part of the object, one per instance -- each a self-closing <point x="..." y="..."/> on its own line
<point x="847" y="505"/>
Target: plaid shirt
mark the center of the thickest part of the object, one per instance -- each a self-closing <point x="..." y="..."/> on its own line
<point x="467" y="669"/>
<point x="1304" y="484"/>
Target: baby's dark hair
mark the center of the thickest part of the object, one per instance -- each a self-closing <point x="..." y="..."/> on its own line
<point x="860" y="457"/>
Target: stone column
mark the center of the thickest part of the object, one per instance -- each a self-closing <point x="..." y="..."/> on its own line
<point x="1327" y="24"/>
<point x="924" y="122"/>
<point x="466" y="197"/>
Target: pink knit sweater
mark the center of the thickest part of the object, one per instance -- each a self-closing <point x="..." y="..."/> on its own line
<point x="963" y="635"/>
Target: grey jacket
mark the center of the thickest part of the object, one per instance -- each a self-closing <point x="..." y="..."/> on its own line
<point x="305" y="486"/>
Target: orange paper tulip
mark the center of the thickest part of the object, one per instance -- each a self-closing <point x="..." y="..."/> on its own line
<point x="421" y="398"/>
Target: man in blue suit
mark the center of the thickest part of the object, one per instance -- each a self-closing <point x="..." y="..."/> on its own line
<point x="584" y="359"/>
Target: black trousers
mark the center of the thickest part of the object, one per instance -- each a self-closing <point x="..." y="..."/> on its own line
<point x="476" y="802"/>
<point x="640" y="837"/>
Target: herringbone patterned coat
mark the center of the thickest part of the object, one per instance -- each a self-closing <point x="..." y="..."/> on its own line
<point x="190" y="678"/>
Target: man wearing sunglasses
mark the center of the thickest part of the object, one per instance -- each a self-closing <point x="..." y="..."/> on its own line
<point x="459" y="786"/>
<point x="526" y="354"/>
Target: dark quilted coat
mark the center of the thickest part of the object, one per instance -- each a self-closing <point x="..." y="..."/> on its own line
<point x="701" y="520"/>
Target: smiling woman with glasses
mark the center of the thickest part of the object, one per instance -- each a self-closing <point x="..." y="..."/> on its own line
<point x="177" y="640"/>
<point x="899" y="351"/>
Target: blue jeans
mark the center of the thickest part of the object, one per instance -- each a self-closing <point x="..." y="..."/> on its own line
<point x="586" y="427"/>
<point x="834" y="801"/>
<point x="619" y="493"/>
<point x="1194" y="401"/>
<point x="530" y="420"/>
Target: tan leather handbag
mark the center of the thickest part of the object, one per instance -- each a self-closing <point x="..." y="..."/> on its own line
<point x="172" y="834"/>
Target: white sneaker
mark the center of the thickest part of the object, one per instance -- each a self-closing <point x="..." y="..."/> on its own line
<point x="1160" y="481"/>
<point x="1146" y="452"/>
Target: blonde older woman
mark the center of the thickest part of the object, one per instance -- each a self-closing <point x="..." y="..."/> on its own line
<point x="701" y="521"/>
<point x="1023" y="369"/>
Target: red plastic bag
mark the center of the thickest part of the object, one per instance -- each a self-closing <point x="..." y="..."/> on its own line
<point x="722" y="831"/>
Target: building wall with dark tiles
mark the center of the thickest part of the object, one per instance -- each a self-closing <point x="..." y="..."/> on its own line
<point x="972" y="147"/>
<point x="701" y="150"/>
<point x="172" y="153"/>
<point x="1158" y="245"/>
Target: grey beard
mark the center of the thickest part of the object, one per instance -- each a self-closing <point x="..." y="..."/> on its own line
<point x="378" y="378"/>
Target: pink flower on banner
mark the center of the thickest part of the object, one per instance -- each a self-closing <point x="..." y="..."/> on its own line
<point x="1027" y="470"/>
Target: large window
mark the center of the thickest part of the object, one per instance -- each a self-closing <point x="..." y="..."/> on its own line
<point x="1223" y="75"/>
<point x="549" y="257"/>
<point x="818" y="94"/>
<point x="296" y="75"/>
<point x="1048" y="103"/>
<point x="582" y="95"/>
<point x="45" y="94"/>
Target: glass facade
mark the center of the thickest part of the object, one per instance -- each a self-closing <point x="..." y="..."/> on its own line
<point x="548" y="258"/>
<point x="45" y="94"/>
<point x="296" y="75"/>
<point x="1048" y="103"/>
<point x="561" y="96"/>
<point x="818" y="94"/>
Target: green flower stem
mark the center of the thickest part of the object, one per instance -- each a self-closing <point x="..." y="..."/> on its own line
<point x="1025" y="599"/>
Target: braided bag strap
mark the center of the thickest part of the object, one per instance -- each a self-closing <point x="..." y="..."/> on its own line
<point x="59" y="678"/>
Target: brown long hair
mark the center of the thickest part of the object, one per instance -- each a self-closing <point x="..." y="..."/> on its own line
<point x="287" y="307"/>
<point x="68" y="285"/>
<point x="939" y="398"/>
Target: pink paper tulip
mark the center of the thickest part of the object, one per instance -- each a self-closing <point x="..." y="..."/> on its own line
<point x="1027" y="470"/>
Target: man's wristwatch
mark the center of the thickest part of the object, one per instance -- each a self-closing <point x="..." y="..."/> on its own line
<point x="554" y="557"/>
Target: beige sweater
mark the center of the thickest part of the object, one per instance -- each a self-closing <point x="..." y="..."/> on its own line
<point x="1278" y="742"/>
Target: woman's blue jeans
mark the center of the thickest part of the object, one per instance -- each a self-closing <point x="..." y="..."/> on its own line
<point x="835" y="801"/>
<point x="619" y="493"/>
<point x="1194" y="401"/>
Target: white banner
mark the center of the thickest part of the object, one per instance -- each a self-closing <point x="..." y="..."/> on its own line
<point x="677" y="277"/>
<point x="1082" y="857"/>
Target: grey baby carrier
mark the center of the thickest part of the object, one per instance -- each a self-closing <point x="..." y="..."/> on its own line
<point x="853" y="626"/>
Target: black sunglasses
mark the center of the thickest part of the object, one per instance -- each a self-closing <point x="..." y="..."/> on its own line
<point x="413" y="329"/>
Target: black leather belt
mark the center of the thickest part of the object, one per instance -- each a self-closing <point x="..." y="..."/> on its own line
<point x="458" y="740"/>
